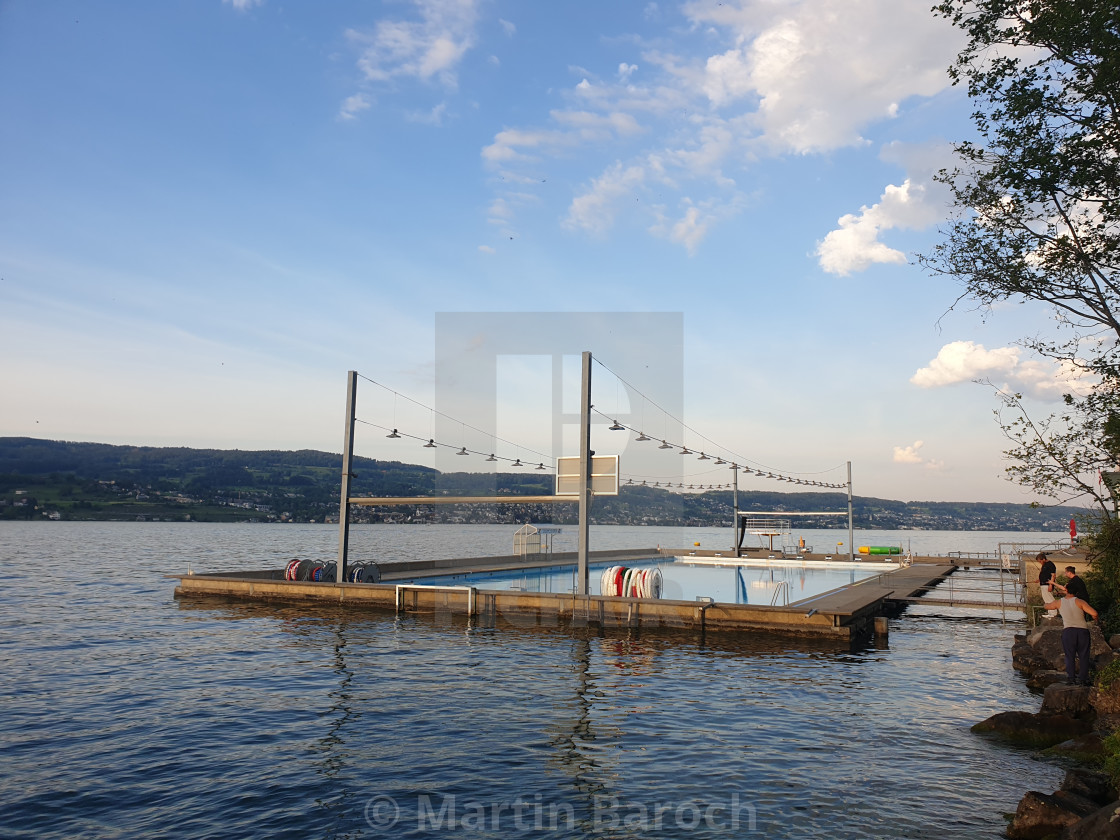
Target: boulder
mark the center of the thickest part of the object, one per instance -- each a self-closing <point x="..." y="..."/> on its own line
<point x="1044" y="677"/>
<point x="1113" y="641"/>
<point x="1040" y="815"/>
<point x="1085" y="748"/>
<point x="1071" y="700"/>
<point x="1031" y="730"/>
<point x="1025" y="659"/>
<point x="1092" y="785"/>
<point x="1046" y="642"/>
<point x="1100" y="825"/>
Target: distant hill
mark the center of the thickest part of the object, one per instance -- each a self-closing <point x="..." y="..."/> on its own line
<point x="64" y="480"/>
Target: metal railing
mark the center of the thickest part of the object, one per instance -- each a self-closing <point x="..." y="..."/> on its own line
<point x="782" y="589"/>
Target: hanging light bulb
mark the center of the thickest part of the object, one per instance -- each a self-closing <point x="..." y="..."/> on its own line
<point x="617" y="427"/>
<point x="392" y="434"/>
<point x="491" y="458"/>
<point x="720" y="461"/>
<point x="431" y="444"/>
<point x="703" y="457"/>
<point x="463" y="451"/>
<point x="643" y="484"/>
<point x="664" y="445"/>
<point x="642" y="436"/>
<point x="540" y="466"/>
<point x="517" y="463"/>
<point x="629" y="481"/>
<point x="684" y="451"/>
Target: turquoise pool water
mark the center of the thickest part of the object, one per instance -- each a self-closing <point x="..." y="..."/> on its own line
<point x="686" y="579"/>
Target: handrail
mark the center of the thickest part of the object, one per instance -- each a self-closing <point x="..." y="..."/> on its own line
<point x="472" y="594"/>
<point x="783" y="586"/>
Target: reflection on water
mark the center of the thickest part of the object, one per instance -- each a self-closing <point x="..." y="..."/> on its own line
<point x="128" y="714"/>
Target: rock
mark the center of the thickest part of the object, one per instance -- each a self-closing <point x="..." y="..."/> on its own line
<point x="1045" y="677"/>
<point x="1100" y="825"/>
<point x="1046" y="642"/>
<point x="1062" y="699"/>
<point x="1031" y="730"/>
<point x="1113" y="641"/>
<point x="1025" y="659"/>
<point x="1085" y="748"/>
<point x="1107" y="701"/>
<point x="1040" y="815"/>
<point x="1103" y="660"/>
<point x="1093" y="785"/>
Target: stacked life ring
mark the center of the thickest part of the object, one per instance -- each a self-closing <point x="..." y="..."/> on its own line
<point x="619" y="581"/>
<point x="291" y="570"/>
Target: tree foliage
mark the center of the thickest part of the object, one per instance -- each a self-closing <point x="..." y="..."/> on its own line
<point x="1037" y="200"/>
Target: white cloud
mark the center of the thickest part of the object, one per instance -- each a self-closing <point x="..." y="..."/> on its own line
<point x="855" y="244"/>
<point x="966" y="361"/>
<point x="508" y="28"/>
<point x="908" y="454"/>
<point x="486" y="249"/>
<point x="425" y="49"/>
<point x="790" y="77"/>
<point x="244" y="5"/>
<point x="353" y="105"/>
<point x="918" y="203"/>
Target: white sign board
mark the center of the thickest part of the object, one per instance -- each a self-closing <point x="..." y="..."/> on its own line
<point x="604" y="475"/>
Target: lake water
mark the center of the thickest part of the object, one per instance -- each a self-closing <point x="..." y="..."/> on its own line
<point x="126" y="714"/>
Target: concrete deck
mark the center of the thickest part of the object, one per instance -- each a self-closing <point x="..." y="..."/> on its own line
<point x="846" y="613"/>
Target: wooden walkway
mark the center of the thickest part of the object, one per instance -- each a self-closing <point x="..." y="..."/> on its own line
<point x="873" y="592"/>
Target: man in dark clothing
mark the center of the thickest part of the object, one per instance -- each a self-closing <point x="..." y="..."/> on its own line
<point x="1075" y="586"/>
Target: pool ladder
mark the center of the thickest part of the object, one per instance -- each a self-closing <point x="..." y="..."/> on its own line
<point x="782" y="591"/>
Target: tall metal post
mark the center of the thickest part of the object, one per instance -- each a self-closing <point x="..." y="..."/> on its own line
<point x="735" y="509"/>
<point x="347" y="474"/>
<point x="851" y="530"/>
<point x="584" y="473"/>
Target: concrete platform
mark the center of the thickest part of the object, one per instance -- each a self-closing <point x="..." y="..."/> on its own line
<point x="846" y="613"/>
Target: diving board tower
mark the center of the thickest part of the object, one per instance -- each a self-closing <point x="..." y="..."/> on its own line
<point x="776" y="522"/>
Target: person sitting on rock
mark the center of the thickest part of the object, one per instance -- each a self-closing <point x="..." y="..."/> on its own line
<point x="1075" y="636"/>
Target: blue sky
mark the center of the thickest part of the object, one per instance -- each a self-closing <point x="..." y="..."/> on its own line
<point x="210" y="210"/>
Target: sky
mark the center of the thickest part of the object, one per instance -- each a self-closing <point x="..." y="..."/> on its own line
<point x="211" y="210"/>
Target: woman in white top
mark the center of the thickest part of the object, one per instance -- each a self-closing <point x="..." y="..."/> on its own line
<point x="1075" y="636"/>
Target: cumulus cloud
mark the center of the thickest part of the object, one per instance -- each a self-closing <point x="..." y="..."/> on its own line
<point x="486" y="249"/>
<point x="908" y="454"/>
<point x="966" y="361"/>
<point x="915" y="204"/>
<point x="791" y="77"/>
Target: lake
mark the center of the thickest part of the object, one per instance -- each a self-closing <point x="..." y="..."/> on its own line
<point x="127" y="713"/>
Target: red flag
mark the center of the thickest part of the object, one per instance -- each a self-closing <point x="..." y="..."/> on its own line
<point x="1072" y="528"/>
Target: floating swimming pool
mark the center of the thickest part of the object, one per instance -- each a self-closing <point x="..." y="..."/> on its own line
<point x="724" y="580"/>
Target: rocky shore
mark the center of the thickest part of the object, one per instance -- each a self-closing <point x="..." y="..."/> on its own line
<point x="1072" y="723"/>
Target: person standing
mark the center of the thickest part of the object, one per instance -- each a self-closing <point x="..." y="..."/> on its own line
<point x="1046" y="574"/>
<point x="1075" y="584"/>
<point x="1076" y="640"/>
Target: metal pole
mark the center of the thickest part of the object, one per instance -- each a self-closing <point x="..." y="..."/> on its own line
<point x="584" y="473"/>
<point x="347" y="474"/>
<point x="735" y="509"/>
<point x="851" y="529"/>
